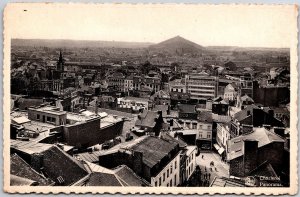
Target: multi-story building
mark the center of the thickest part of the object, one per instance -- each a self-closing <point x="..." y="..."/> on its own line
<point x="201" y="86"/>
<point x="128" y="84"/>
<point x="178" y="85"/>
<point x="247" y="152"/>
<point x="160" y="165"/>
<point x="154" y="83"/>
<point x="134" y="104"/>
<point x="116" y="80"/>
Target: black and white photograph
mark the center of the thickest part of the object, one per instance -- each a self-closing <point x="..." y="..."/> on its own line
<point x="151" y="96"/>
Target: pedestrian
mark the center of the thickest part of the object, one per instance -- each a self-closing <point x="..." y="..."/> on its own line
<point x="208" y="175"/>
<point x="205" y="168"/>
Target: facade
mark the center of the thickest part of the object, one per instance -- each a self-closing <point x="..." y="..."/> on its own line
<point x="230" y="92"/>
<point x="201" y="86"/>
<point x="154" y="83"/>
<point x="158" y="165"/>
<point x="134" y="104"/>
<point x="128" y="84"/>
<point x="116" y="80"/>
<point x="48" y="114"/>
<point x="245" y="153"/>
<point x="178" y="85"/>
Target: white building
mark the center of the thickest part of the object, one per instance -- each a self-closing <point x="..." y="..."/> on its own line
<point x="169" y="176"/>
<point x="190" y="161"/>
<point x="230" y="92"/>
<point x="201" y="86"/>
<point x="128" y="84"/>
<point x="178" y="85"/>
<point x="223" y="135"/>
<point x="134" y="103"/>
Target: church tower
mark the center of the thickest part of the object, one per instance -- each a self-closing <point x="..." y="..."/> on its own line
<point x="60" y="62"/>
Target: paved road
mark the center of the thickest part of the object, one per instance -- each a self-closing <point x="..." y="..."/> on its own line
<point x="219" y="169"/>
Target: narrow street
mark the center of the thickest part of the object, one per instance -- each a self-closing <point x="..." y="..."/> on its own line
<point x="220" y="169"/>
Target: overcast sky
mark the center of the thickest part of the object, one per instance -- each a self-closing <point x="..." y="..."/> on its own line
<point x="249" y="26"/>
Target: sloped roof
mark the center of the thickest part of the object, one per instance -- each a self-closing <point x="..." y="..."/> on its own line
<point x="55" y="161"/>
<point x="159" y="149"/>
<point x="241" y="115"/>
<point x="129" y="178"/>
<point x="25" y="103"/>
<point x="262" y="135"/>
<point x="19" y="168"/>
<point x="265" y="169"/>
<point x="247" y="98"/>
<point x="163" y="108"/>
<point x="21" y="181"/>
<point x="103" y="179"/>
<point x="186" y="108"/>
<point x="226" y="182"/>
<point x="205" y="116"/>
<point x="178" y="140"/>
<point x="147" y="118"/>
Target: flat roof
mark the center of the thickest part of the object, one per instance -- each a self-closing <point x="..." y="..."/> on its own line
<point x="48" y="109"/>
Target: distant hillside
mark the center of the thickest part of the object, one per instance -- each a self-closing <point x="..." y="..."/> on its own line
<point x="235" y="48"/>
<point x="55" y="43"/>
<point x="177" y="45"/>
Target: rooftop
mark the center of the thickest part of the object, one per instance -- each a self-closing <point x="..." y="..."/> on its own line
<point x="226" y="182"/>
<point x="18" y="167"/>
<point x="186" y="108"/>
<point x="159" y="149"/>
<point x="48" y="109"/>
<point x="262" y="135"/>
<point x="147" y="118"/>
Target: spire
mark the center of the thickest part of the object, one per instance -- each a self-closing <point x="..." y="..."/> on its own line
<point x="60" y="60"/>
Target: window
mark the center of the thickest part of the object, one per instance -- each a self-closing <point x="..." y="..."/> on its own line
<point x="53" y="120"/>
<point x="175" y="164"/>
<point x="175" y="180"/>
<point x="164" y="177"/>
<point x="38" y="116"/>
<point x="171" y="183"/>
<point x="159" y="181"/>
<point x="155" y="183"/>
<point x="168" y="173"/>
<point x="171" y="169"/>
<point x="48" y="119"/>
<point x="208" y="135"/>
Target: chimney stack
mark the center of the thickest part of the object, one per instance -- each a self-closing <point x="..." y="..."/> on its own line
<point x="250" y="156"/>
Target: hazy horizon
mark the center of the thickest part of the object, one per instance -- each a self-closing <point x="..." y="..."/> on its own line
<point x="207" y="25"/>
<point x="145" y="43"/>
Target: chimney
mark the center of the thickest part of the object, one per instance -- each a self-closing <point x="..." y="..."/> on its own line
<point x="96" y="106"/>
<point x="138" y="162"/>
<point x="279" y="131"/>
<point x="250" y="156"/>
<point x="168" y="110"/>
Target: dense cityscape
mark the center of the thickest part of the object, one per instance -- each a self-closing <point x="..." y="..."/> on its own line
<point x="172" y="114"/>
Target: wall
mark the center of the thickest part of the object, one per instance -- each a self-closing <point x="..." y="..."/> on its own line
<point x="167" y="181"/>
<point x="89" y="133"/>
<point x="270" y="96"/>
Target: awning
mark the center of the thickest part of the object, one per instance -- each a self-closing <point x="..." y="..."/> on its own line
<point x="217" y="146"/>
<point x="221" y="150"/>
